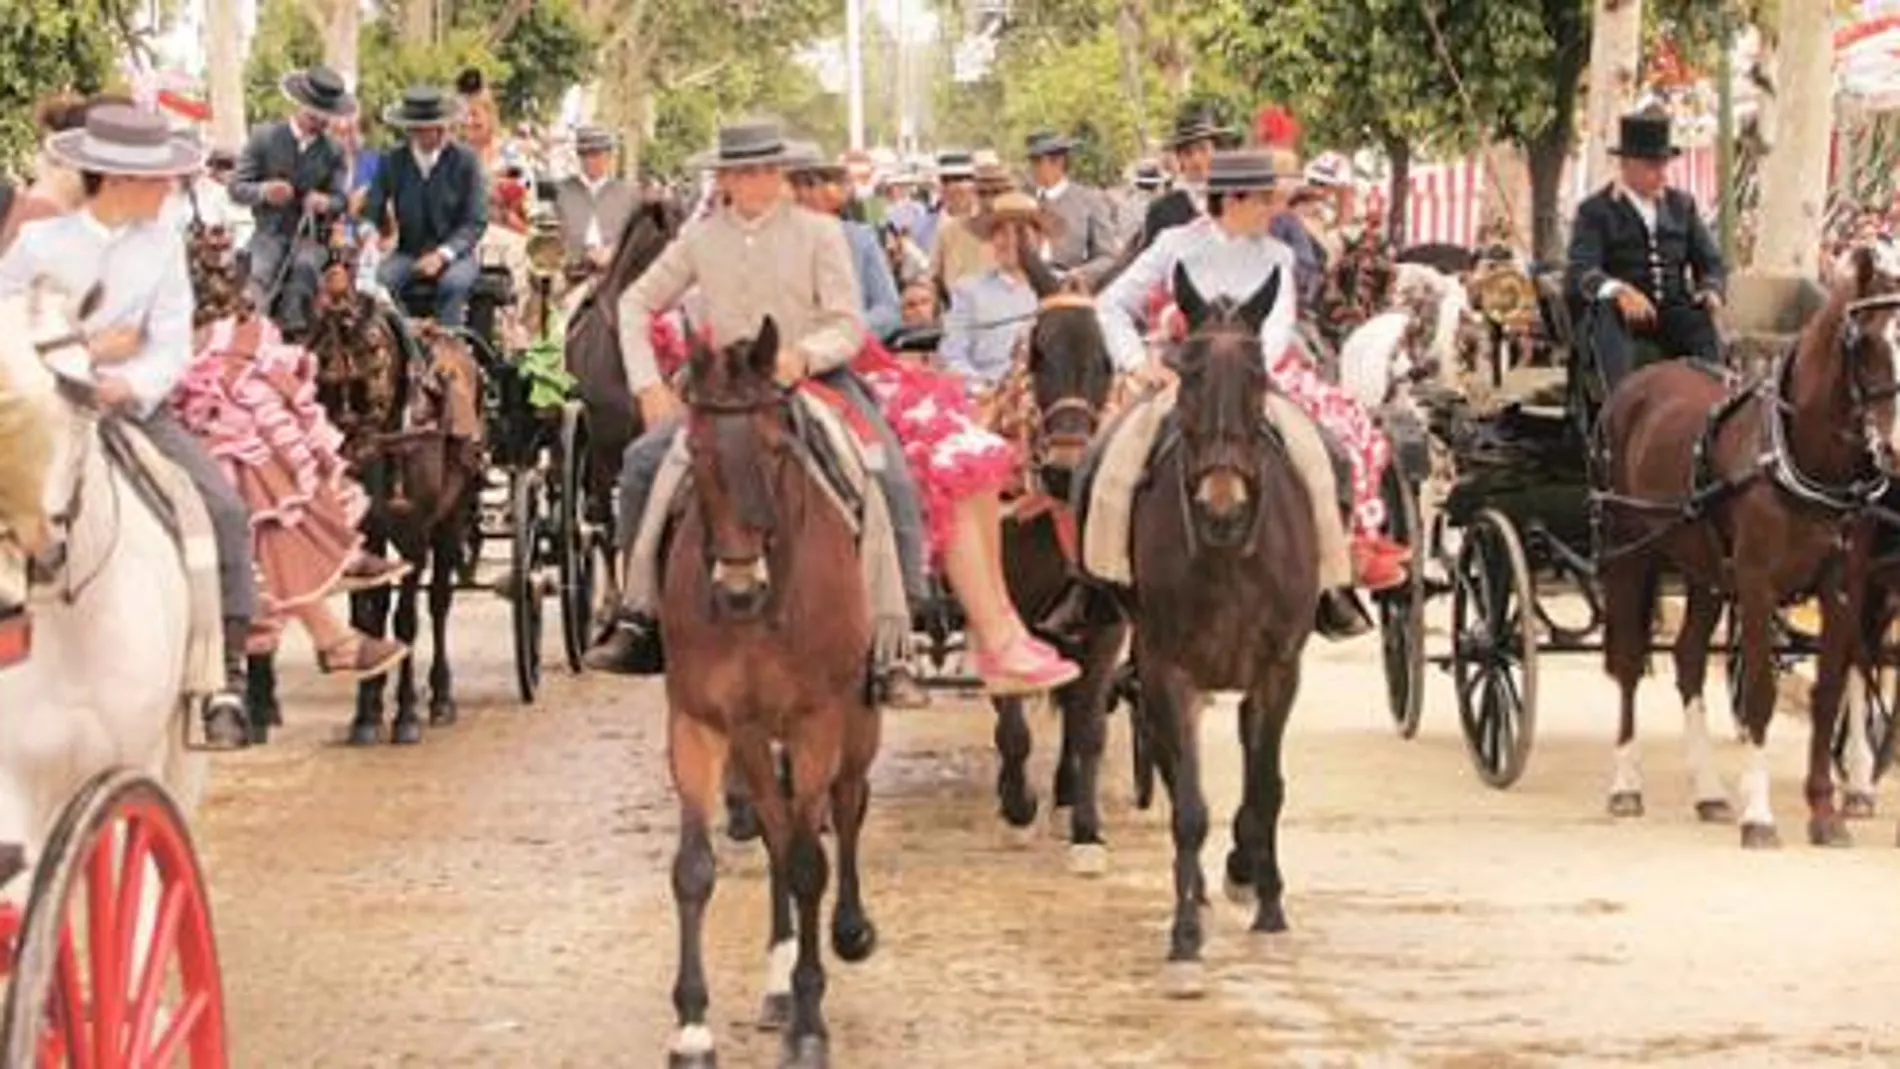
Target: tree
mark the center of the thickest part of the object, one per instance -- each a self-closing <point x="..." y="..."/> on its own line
<point x="1616" y="57"/>
<point x="1794" y="179"/>
<point x="287" y="39"/>
<point x="55" y="46"/>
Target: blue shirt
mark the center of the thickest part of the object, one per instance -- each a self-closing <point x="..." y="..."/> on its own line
<point x="143" y="282"/>
<point x="1306" y="255"/>
<point x="988" y="312"/>
<point x="1220" y="265"/>
<point x="877" y="291"/>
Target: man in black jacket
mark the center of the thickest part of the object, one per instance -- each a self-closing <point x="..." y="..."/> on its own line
<point x="1192" y="145"/>
<point x="291" y="170"/>
<point x="1643" y="264"/>
<point x="435" y="189"/>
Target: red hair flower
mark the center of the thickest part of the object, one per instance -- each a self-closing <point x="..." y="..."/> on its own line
<point x="1276" y="126"/>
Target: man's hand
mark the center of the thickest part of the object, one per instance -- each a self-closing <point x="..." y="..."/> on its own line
<point x="792" y="367"/>
<point x="658" y="403"/>
<point x="600" y="256"/>
<point x="114" y="392"/>
<point x="279" y="193"/>
<point x="316" y="203"/>
<point x="1712" y="301"/>
<point x="1635" y="307"/>
<point x="115" y="344"/>
<point x="1155" y="375"/>
<point x="429" y="264"/>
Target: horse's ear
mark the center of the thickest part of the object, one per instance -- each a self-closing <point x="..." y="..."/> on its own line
<point x="1260" y="305"/>
<point x="1866" y="270"/>
<point x="764" y="356"/>
<point x="1041" y="279"/>
<point x="90" y="302"/>
<point x="1187" y="298"/>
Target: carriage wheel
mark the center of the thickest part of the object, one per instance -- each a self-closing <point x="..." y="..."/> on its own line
<point x="92" y="985"/>
<point x="1494" y="648"/>
<point x="524" y="515"/>
<point x="1879" y="717"/>
<point x="1402" y="609"/>
<point x="574" y="538"/>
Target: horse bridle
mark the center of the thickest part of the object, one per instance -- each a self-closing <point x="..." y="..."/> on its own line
<point x="1255" y="478"/>
<point x="84" y="398"/>
<point x="1043" y="435"/>
<point x="700" y="406"/>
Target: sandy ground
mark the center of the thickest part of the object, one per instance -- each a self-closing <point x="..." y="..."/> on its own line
<point x="498" y="896"/>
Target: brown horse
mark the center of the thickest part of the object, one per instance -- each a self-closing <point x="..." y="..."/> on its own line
<point x="768" y="639"/>
<point x="1226" y="585"/>
<point x="1747" y="495"/>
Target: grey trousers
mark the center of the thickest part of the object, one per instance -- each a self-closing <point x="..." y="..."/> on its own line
<point x="640" y="466"/>
<point x="230" y="519"/>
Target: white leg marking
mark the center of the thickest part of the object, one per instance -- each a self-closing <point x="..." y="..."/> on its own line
<point x="1628" y="778"/>
<point x="1859" y="757"/>
<point x="693" y="1039"/>
<point x="778" y="967"/>
<point x="1695" y="741"/>
<point x="1754" y="787"/>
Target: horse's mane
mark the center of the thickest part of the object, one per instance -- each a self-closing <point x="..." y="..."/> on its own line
<point x="650" y="227"/>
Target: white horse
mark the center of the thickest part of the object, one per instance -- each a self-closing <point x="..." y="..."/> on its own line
<point x="103" y="685"/>
<point x="1374" y="356"/>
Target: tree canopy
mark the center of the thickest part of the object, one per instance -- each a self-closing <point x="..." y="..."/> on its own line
<point x="52" y="46"/>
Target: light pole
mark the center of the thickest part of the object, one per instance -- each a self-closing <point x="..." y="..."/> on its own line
<point x="854" y="69"/>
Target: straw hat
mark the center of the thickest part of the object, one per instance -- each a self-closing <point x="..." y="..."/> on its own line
<point x="1015" y="207"/>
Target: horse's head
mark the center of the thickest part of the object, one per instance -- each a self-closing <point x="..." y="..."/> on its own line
<point x="1222" y="402"/>
<point x="1870" y="339"/>
<point x="43" y="357"/>
<point x="1070" y="376"/>
<point x="736" y="434"/>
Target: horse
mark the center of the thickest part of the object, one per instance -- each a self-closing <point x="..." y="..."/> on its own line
<point x="1226" y="585"/>
<point x="407" y="403"/>
<point x="104" y="683"/>
<point x="1421" y="336"/>
<point x="1746" y="494"/>
<point x="768" y="636"/>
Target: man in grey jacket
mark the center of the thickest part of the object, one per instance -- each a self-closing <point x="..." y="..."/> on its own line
<point x="1085" y="246"/>
<point x="593" y="205"/>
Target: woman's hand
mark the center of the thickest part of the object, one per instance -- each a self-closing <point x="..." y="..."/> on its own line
<point x="115" y="345"/>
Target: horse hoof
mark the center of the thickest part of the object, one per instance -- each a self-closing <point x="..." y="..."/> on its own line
<point x="1020" y="812"/>
<point x="805" y="1052"/>
<point x="1238" y="892"/>
<point x="1715" y="811"/>
<point x="1088" y="859"/>
<point x="1184" y="979"/>
<point x="362" y="734"/>
<point x="1760" y="837"/>
<point x="1829" y="831"/>
<point x="1858" y="805"/>
<point x="676" y="1060"/>
<point x="742" y="824"/>
<point x="1018" y="836"/>
<point x="775" y="1012"/>
<point x="442" y="713"/>
<point x="405" y="732"/>
<point x="1270" y="919"/>
<point x="853" y="942"/>
<point x="1626" y="805"/>
<point x="692" y="1049"/>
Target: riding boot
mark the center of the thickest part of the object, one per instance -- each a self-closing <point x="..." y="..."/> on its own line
<point x="1340" y="615"/>
<point x="225" y="719"/>
<point x="631" y="644"/>
<point x="899" y="688"/>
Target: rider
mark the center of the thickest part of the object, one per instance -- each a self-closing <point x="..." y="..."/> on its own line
<point x="1192" y="146"/>
<point x="141" y="334"/>
<point x="436" y="192"/>
<point x="593" y="205"/>
<point x="759" y="255"/>
<point x="818" y="186"/>
<point x="1230" y="254"/>
<point x="956" y="253"/>
<point x="991" y="310"/>
<point x="1643" y="248"/>
<point x="291" y="171"/>
<point x="1086" y="245"/>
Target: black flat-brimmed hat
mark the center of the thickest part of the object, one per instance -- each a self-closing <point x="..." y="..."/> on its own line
<point x="955" y="166"/>
<point x="122" y="140"/>
<point x="424" y="105"/>
<point x="1645" y="136"/>
<point x="1242" y="171"/>
<point x="757" y="143"/>
<point x="1196" y="122"/>
<point x="1047" y="143"/>
<point x="1148" y="175"/>
<point x="321" y="90"/>
<point x="592" y="139"/>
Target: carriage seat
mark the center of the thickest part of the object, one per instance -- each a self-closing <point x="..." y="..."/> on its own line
<point x="494" y="288"/>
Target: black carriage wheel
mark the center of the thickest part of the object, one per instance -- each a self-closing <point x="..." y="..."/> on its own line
<point x="574" y="537"/>
<point x="1878" y="716"/>
<point x="1402" y="609"/>
<point x="524" y="515"/>
<point x="1494" y="648"/>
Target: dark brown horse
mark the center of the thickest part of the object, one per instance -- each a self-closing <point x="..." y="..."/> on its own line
<point x="1748" y="496"/>
<point x="1226" y="585"/>
<point x="768" y="639"/>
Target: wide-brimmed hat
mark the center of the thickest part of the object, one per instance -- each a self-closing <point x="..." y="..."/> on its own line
<point x="1329" y="170"/>
<point x="992" y="179"/>
<point x="804" y="159"/>
<point x="1015" y="207"/>
<point x="592" y="139"/>
<point x="1196" y="122"/>
<point x="757" y="143"/>
<point x="1645" y="136"/>
<point x="122" y="140"/>
<point x="424" y="105"/>
<point x="321" y="90"/>
<point x="955" y="165"/>
<point x="1148" y="175"/>
<point x="1047" y="143"/>
<point x="1242" y="171"/>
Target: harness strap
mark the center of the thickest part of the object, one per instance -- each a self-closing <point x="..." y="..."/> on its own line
<point x="1062" y="515"/>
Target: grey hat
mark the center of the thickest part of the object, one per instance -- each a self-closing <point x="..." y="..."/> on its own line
<point x="1241" y="171"/>
<point x="805" y="158"/>
<point x="955" y="165"/>
<point x="1047" y="143"/>
<point x="122" y="140"/>
<point x="589" y="139"/>
<point x="756" y="143"/>
<point x="321" y="90"/>
<point x="424" y="105"/>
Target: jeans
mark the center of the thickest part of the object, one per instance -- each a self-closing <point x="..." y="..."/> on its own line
<point x="230" y="519"/>
<point x="452" y="286"/>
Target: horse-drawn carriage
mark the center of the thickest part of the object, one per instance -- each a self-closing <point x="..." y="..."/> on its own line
<point x="1514" y="538"/>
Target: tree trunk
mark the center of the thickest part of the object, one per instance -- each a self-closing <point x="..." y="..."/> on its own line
<point x="224" y="73"/>
<point x="1794" y="178"/>
<point x="341" y="27"/>
<point x="1128" y="31"/>
<point x="1616" y="56"/>
<point x="1547" y="157"/>
<point x="1398" y="152"/>
<point x="418" y="20"/>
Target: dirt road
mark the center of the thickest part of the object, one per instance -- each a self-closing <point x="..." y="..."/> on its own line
<point x="499" y="897"/>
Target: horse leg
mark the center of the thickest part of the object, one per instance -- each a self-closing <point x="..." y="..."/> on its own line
<point x="1858" y="759"/>
<point x="1629" y="598"/>
<point x="1170" y="705"/>
<point x="406" y="728"/>
<point x="1840" y="620"/>
<point x="815" y="749"/>
<point x="1755" y="607"/>
<point x="1703" y="611"/>
<point x="698" y="754"/>
<point x="1015" y="797"/>
<point x="1264" y="716"/>
<point x="742" y="818"/>
<point x="447" y="557"/>
<point x="260" y="694"/>
<point x="853" y="936"/>
<point x="1084" y="705"/>
<point x="369" y="614"/>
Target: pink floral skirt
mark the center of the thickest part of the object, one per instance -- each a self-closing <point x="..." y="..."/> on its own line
<point x="253" y="400"/>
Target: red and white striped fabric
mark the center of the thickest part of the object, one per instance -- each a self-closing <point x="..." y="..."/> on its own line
<point x="1446" y="201"/>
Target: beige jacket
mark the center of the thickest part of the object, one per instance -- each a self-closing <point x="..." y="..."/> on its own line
<point x="790" y="264"/>
<point x="959" y="254"/>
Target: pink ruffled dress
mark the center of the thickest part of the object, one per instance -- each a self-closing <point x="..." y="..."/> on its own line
<point x="253" y="401"/>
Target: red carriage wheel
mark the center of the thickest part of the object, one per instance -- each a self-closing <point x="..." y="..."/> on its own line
<point x="99" y="982"/>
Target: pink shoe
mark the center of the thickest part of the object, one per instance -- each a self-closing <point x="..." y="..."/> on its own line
<point x="1025" y="666"/>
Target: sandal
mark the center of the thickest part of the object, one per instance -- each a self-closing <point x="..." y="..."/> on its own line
<point x="368" y="572"/>
<point x="360" y="657"/>
<point x="1025" y="666"/>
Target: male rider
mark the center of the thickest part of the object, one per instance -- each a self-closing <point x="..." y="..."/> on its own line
<point x="439" y="198"/>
